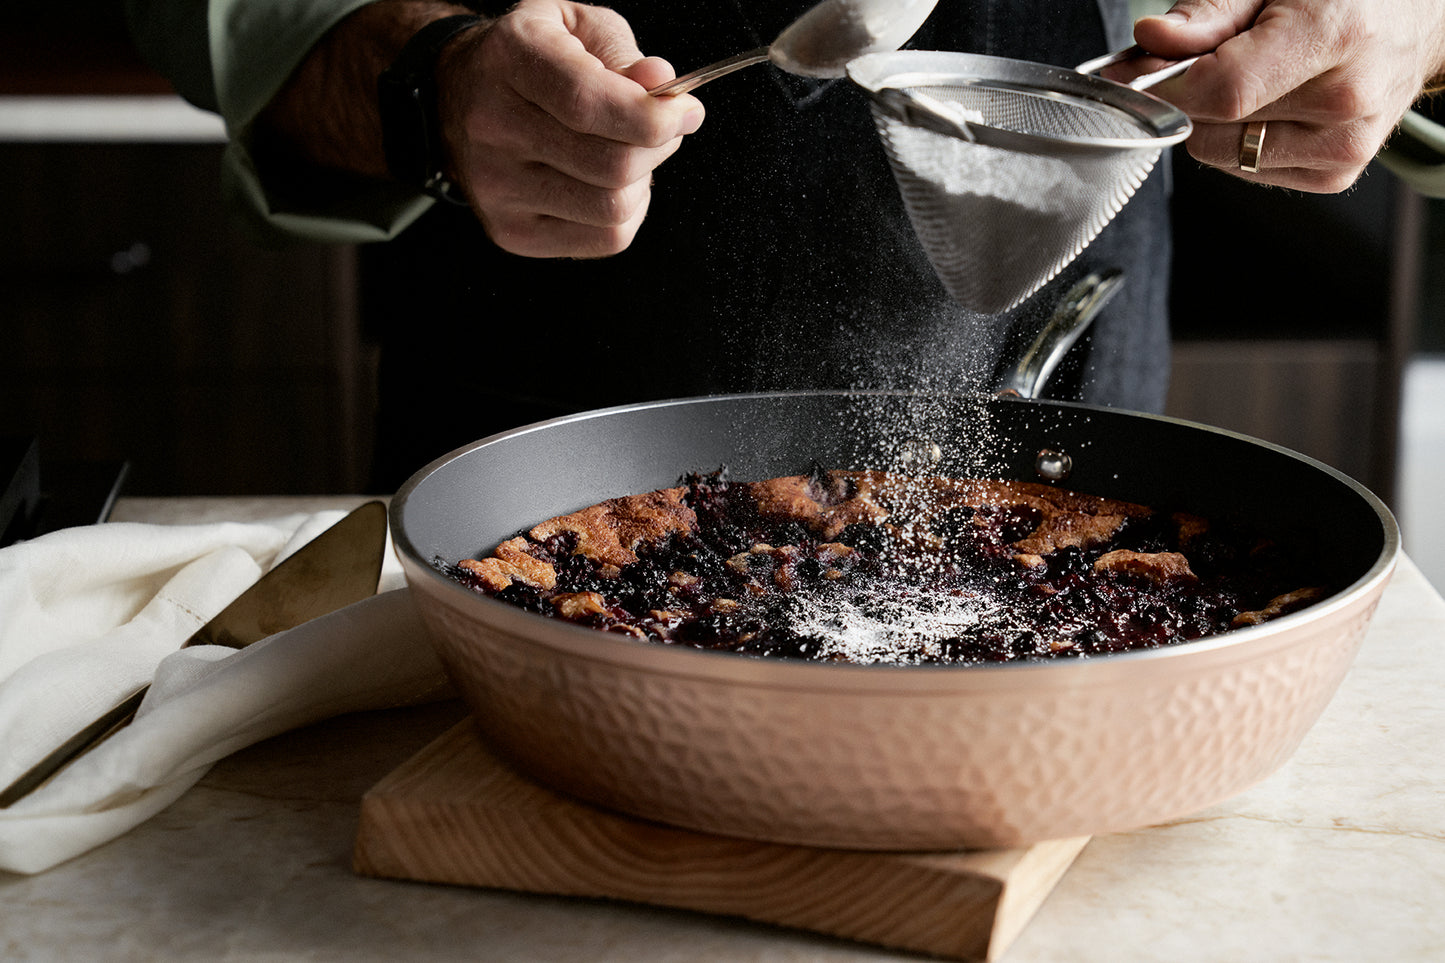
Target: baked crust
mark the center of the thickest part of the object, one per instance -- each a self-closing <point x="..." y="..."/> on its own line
<point x="795" y="565"/>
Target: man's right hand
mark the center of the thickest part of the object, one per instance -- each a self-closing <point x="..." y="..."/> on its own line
<point x="551" y="131"/>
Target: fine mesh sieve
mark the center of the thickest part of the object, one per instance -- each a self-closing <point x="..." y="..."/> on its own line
<point x="1009" y="169"/>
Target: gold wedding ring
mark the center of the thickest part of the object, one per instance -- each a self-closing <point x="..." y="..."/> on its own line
<point x="1251" y="146"/>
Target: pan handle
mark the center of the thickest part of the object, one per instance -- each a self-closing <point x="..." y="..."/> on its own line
<point x="1075" y="312"/>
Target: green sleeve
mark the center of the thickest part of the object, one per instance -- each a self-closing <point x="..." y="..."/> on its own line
<point x="171" y="36"/>
<point x="232" y="56"/>
<point x="1417" y="154"/>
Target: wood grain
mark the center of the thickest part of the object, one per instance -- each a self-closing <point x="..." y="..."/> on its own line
<point x="454" y="813"/>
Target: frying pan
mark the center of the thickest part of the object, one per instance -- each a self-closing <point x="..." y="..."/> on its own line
<point x="883" y="757"/>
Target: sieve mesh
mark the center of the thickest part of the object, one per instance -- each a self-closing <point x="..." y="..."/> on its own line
<point x="1007" y="182"/>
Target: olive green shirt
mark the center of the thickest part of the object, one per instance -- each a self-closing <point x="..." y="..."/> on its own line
<point x="231" y="57"/>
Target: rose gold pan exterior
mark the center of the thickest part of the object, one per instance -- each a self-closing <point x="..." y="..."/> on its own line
<point x="883" y="758"/>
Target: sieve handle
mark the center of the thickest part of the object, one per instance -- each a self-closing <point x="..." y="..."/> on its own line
<point x="1144" y="81"/>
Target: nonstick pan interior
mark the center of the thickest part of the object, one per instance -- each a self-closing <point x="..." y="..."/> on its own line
<point x="475" y="498"/>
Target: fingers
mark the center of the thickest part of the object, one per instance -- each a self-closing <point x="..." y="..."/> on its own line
<point x="548" y="215"/>
<point x="1278" y="54"/>
<point x="553" y="192"/>
<point x="569" y="58"/>
<point x="533" y="136"/>
<point x="1298" y="156"/>
<point x="1331" y="78"/>
<point x="552" y="132"/>
<point x="1193" y="27"/>
<point x="649" y="72"/>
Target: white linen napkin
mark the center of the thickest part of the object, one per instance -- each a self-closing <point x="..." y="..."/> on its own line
<point x="88" y="615"/>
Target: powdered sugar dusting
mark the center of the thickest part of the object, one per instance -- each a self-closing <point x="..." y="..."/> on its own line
<point x="872" y="626"/>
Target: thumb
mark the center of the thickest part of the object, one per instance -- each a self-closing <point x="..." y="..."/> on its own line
<point x="648" y="71"/>
<point x="605" y="34"/>
<point x="1195" y="26"/>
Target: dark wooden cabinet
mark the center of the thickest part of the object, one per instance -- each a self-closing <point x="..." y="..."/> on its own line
<point x="1294" y="314"/>
<point x="141" y="323"/>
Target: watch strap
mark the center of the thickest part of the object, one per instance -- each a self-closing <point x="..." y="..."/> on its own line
<point x="411" y="131"/>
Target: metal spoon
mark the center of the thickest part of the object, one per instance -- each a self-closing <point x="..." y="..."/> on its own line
<point x="822" y="41"/>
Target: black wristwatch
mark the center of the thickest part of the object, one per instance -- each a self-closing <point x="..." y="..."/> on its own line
<point x="406" y="92"/>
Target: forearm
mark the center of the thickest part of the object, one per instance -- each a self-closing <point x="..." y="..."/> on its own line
<point x="325" y="116"/>
<point x="544" y="111"/>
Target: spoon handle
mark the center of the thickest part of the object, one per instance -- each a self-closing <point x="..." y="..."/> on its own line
<point x="702" y="75"/>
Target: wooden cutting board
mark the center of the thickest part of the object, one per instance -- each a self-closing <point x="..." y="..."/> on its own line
<point x="454" y="813"/>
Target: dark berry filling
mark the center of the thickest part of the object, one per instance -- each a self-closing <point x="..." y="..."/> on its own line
<point x="947" y="588"/>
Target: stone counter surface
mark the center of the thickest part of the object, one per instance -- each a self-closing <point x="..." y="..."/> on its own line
<point x="1339" y="856"/>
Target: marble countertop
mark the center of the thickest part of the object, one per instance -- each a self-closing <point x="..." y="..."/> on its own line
<point x="1338" y="856"/>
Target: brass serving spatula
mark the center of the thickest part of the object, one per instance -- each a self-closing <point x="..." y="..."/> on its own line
<point x="338" y="567"/>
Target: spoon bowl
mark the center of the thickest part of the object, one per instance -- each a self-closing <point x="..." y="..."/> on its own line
<point x="822" y="41"/>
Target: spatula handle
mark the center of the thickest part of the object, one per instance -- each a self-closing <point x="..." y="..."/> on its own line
<point x="72" y="747"/>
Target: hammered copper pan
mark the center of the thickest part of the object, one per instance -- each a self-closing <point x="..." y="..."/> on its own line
<point x="889" y="757"/>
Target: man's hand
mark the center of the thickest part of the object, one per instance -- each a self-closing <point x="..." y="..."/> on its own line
<point x="549" y="127"/>
<point x="1331" y="78"/>
<point x="551" y="131"/>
